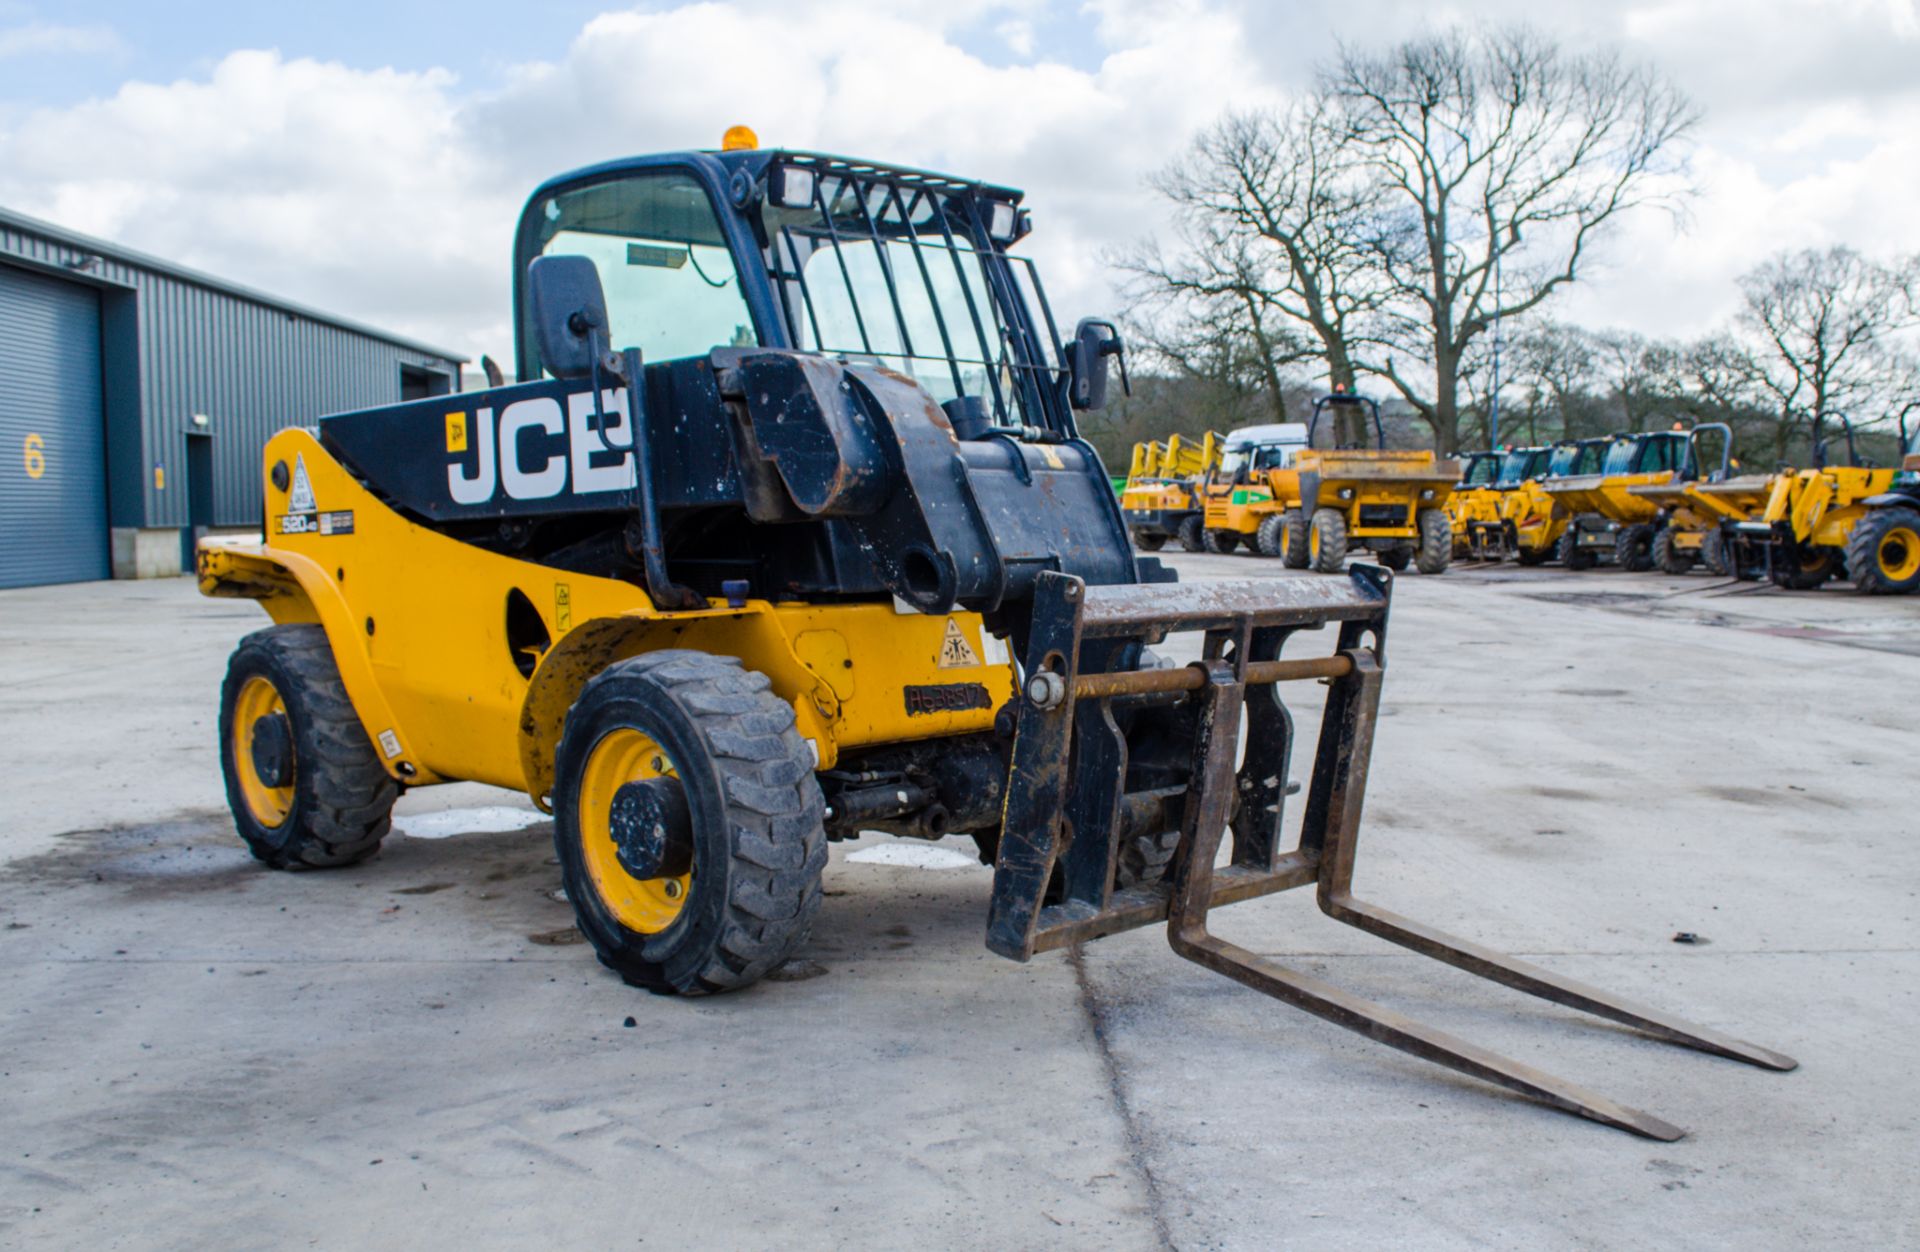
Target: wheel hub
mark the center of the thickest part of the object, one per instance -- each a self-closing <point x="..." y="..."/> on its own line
<point x="271" y="747"/>
<point x="652" y="829"/>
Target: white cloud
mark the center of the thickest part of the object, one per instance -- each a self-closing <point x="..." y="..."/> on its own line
<point x="391" y="196"/>
<point x="50" y="38"/>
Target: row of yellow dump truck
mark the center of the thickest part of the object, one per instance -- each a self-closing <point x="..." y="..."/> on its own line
<point x="1314" y="493"/>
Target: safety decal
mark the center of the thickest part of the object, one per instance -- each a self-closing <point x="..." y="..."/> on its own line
<point x="562" y="607"/>
<point x="336" y="523"/>
<point x="955" y="651"/>
<point x="300" y="496"/>
<point x="389" y="744"/>
<point x="456" y="432"/>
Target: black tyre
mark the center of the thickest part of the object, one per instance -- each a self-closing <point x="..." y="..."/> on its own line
<point x="1804" y="568"/>
<point x="1669" y="558"/>
<point x="1191" y="537"/>
<point x="1395" y="559"/>
<point x="1633" y="548"/>
<point x="1296" y="554"/>
<point x="688" y="823"/>
<point x="1883" y="552"/>
<point x="1436" y="543"/>
<point x="305" y="784"/>
<point x="1713" y="553"/>
<point x="1533" y="556"/>
<point x="1222" y="542"/>
<point x="1144" y="859"/>
<point x="1327" y="541"/>
<point x="1572" y="555"/>
<point x="1149" y="541"/>
<point x="1271" y="538"/>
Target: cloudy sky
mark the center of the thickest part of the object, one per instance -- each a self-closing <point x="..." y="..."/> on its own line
<point x="370" y="157"/>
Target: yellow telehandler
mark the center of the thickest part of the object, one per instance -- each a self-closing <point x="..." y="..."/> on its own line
<point x="1533" y="520"/>
<point x="1799" y="536"/>
<point x="784" y="533"/>
<point x="1474" y="499"/>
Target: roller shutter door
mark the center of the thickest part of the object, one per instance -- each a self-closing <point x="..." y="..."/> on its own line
<point x="53" y="479"/>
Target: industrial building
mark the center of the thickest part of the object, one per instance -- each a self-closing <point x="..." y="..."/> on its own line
<point x="135" y="397"/>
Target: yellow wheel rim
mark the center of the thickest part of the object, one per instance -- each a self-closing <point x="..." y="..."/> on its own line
<point x="1899" y="554"/>
<point x="258" y="699"/>
<point x="1313" y="543"/>
<point x="645" y="905"/>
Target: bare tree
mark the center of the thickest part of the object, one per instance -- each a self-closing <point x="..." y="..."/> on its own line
<point x="1274" y="216"/>
<point x="1823" y="326"/>
<point x="1507" y="158"/>
<point x="1555" y="365"/>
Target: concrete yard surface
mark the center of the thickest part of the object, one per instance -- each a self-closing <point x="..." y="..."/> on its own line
<point x="198" y="1052"/>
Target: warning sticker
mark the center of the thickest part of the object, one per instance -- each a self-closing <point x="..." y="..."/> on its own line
<point x="340" y="523"/>
<point x="389" y="744"/>
<point x="955" y="651"/>
<point x="300" y="495"/>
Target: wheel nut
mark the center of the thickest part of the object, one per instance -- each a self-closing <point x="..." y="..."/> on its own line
<point x="672" y="888"/>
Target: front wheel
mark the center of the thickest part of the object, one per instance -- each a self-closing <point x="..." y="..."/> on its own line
<point x="1395" y="559"/>
<point x="1883" y="552"/>
<point x="1808" y="568"/>
<point x="1436" y="543"/>
<point x="1633" y="548"/>
<point x="305" y="784"/>
<point x="1271" y="538"/>
<point x="1327" y="541"/>
<point x="1296" y="555"/>
<point x="1668" y="556"/>
<point x="1191" y="537"/>
<point x="690" y="829"/>
<point x="1221" y="542"/>
<point x="1572" y="555"/>
<point x="1149" y="541"/>
<point x="1713" y="552"/>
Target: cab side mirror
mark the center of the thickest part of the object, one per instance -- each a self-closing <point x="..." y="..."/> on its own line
<point x="1094" y="340"/>
<point x="569" y="314"/>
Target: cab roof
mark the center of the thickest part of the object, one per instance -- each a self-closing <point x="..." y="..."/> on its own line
<point x="754" y="162"/>
<point x="1256" y="436"/>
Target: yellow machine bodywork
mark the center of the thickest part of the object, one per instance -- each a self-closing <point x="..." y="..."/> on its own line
<point x="1819" y="507"/>
<point x="1163" y="485"/>
<point x="1469" y="507"/>
<point x="418" y="624"/>
<point x="1694" y="511"/>
<point x="1364" y="484"/>
<point x="1239" y="508"/>
<point x="1536" y="520"/>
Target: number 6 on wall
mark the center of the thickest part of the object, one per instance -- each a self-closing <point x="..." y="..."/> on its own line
<point x="36" y="456"/>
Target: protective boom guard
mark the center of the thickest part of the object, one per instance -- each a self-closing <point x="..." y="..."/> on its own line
<point x="1067" y="811"/>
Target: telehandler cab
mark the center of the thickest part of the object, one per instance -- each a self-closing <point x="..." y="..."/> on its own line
<point x="1606" y="518"/>
<point x="785" y="533"/>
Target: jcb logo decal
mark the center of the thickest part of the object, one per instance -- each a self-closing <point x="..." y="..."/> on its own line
<point x="516" y="451"/>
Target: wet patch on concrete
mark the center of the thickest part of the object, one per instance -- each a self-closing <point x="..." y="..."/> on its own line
<point x="193" y="852"/>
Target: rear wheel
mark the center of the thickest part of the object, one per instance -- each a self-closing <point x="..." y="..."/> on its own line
<point x="1669" y="558"/>
<point x="688" y="823"/>
<point x="1800" y="568"/>
<point x="1191" y="539"/>
<point x="1633" y="548"/>
<point x="305" y="784"/>
<point x="1271" y="538"/>
<point x="1436" y="543"/>
<point x="1296" y="554"/>
<point x="1222" y="541"/>
<point x="1327" y="541"/>
<point x="1395" y="559"/>
<point x="1883" y="552"/>
<point x="1149" y="541"/>
<point x="1533" y="556"/>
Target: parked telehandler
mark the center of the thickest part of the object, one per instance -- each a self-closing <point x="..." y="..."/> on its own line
<point x="1691" y="524"/>
<point x="1161" y="498"/>
<point x="785" y="532"/>
<point x="1238" y="493"/>
<point x="1606" y="518"/>
<point x="1799" y="537"/>
<point x="1534" y="521"/>
<point x="1883" y="550"/>
<point x="1491" y="536"/>
<point x="1473" y="498"/>
<point x="1349" y="496"/>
